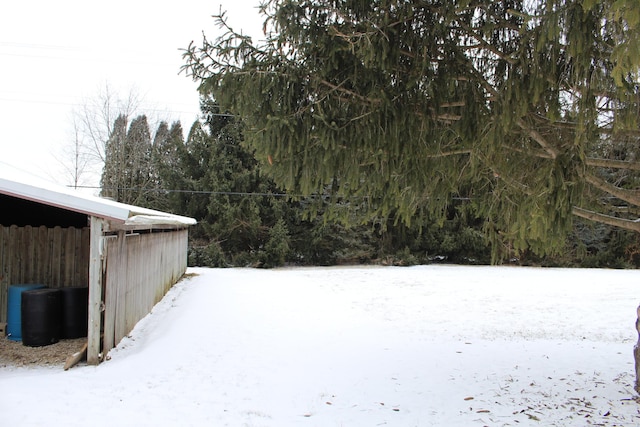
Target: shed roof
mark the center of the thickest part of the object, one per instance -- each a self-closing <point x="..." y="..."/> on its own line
<point x="17" y="183"/>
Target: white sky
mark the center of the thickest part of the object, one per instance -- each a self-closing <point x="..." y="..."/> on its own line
<point x="55" y="55"/>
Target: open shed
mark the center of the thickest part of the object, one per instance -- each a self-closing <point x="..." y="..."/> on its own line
<point x="127" y="255"/>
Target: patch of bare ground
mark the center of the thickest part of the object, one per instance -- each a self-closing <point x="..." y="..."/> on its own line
<point x="15" y="354"/>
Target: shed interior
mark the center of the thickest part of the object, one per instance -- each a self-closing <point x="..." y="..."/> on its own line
<point x="41" y="244"/>
<point x="20" y="212"/>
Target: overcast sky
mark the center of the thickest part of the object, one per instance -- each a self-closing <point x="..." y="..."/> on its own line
<point x="55" y="55"/>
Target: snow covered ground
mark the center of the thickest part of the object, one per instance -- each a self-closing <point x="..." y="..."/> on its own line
<point x="359" y="346"/>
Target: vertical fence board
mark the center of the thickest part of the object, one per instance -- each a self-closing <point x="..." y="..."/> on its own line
<point x="83" y="263"/>
<point x="56" y="255"/>
<point x="27" y="255"/>
<point x="77" y="256"/>
<point x="43" y="254"/>
<point x="68" y="260"/>
<point x="120" y="267"/>
<point x="15" y="259"/>
<point x="4" y="279"/>
<point x="114" y="249"/>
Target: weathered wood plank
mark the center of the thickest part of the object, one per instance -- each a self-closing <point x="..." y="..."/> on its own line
<point x="4" y="278"/>
<point x="83" y="269"/>
<point x="43" y="255"/>
<point x="56" y="256"/>
<point x="110" y="292"/>
<point x="636" y="352"/>
<point x="108" y="329"/>
<point x="121" y="266"/>
<point x="28" y="254"/>
<point x="77" y="256"/>
<point x="69" y="258"/>
<point x="95" y="291"/>
<point x="15" y="261"/>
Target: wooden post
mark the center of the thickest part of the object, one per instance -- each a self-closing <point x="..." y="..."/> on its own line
<point x="95" y="291"/>
<point x="636" y="352"/>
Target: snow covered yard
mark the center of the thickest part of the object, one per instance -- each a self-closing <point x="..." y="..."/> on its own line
<point x="359" y="346"/>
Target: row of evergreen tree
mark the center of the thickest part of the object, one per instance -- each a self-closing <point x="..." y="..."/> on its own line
<point x="244" y="219"/>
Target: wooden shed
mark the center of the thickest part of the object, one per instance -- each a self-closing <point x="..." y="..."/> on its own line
<point x="128" y="256"/>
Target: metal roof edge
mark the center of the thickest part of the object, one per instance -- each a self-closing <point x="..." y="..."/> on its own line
<point x="29" y="187"/>
<point x="64" y="200"/>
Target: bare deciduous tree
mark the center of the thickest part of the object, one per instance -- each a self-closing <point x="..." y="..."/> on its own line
<point x="83" y="157"/>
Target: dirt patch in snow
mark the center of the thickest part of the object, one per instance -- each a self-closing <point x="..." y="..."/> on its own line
<point x="14" y="353"/>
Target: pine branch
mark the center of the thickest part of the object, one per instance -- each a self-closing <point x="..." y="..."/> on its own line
<point x="483" y="44"/>
<point x="614" y="164"/>
<point x="626" y="224"/>
<point x="458" y="152"/>
<point x="538" y="154"/>
<point x="628" y="196"/>
<point x="339" y="88"/>
<point x="537" y="137"/>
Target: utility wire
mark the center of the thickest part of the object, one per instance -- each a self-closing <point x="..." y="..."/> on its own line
<point x="204" y="192"/>
<point x="228" y="193"/>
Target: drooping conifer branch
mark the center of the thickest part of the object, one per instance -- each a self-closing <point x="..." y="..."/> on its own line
<point x="412" y="103"/>
<point x="612" y="163"/>
<point x="628" y="196"/>
<point x="632" y="225"/>
<point x="537" y="137"/>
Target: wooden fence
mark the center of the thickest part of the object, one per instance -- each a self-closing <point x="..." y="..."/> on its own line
<point x="56" y="257"/>
<point x="139" y="270"/>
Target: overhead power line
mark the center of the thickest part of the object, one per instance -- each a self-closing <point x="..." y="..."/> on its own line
<point x="205" y="192"/>
<point x="230" y="193"/>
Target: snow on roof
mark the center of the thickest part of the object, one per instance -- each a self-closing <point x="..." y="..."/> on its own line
<point x="17" y="183"/>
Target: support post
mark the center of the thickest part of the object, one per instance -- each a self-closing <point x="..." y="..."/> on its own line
<point x="95" y="291"/>
<point x="636" y="352"/>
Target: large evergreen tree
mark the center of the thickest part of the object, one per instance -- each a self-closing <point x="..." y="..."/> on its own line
<point x="141" y="178"/>
<point x="526" y="108"/>
<point x="112" y="181"/>
<point x="128" y="174"/>
<point x="231" y="196"/>
<point x="168" y="156"/>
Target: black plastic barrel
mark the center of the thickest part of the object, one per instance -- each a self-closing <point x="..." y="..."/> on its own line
<point x="41" y="315"/>
<point x="14" y="312"/>
<point x="75" y="312"/>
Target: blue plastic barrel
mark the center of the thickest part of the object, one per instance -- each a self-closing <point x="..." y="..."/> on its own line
<point x="14" y="312"/>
